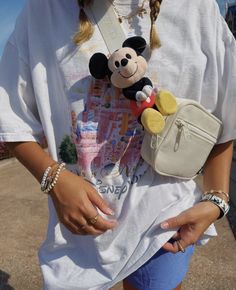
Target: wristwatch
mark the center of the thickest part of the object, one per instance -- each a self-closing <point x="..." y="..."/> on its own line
<point x="223" y="206"/>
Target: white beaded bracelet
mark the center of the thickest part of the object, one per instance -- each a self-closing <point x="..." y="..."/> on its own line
<point x="223" y="206"/>
<point x="51" y="181"/>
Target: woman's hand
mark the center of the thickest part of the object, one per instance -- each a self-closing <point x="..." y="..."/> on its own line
<point x="192" y="223"/>
<point x="76" y="202"/>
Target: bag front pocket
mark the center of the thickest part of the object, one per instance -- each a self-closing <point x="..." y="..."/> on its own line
<point x="187" y="130"/>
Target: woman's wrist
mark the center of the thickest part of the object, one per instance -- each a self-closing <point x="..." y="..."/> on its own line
<point x="64" y="177"/>
<point x="51" y="176"/>
<point x="219" y="199"/>
<point x="213" y="210"/>
<point x="220" y="193"/>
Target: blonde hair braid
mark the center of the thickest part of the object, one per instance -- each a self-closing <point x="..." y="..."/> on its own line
<point x="154" y="12"/>
<point x="85" y="28"/>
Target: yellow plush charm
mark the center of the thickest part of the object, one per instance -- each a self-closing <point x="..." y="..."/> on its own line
<point x="152" y="120"/>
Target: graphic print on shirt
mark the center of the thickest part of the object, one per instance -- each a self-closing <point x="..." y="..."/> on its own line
<point x="106" y="137"/>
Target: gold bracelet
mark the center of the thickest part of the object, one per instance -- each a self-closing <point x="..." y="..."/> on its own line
<point x="52" y="179"/>
<point x="215" y="191"/>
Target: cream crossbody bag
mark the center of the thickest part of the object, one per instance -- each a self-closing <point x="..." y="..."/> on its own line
<point x="182" y="148"/>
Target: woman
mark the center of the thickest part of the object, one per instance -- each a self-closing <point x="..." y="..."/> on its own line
<point x="111" y="216"/>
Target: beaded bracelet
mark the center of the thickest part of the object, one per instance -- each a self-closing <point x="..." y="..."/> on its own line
<point x="214" y="191"/>
<point x="44" y="178"/>
<point x="51" y="179"/>
<point x="223" y="206"/>
<point x="46" y="174"/>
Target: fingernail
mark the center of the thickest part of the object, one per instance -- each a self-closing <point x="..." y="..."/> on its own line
<point x="110" y="212"/>
<point x="164" y="225"/>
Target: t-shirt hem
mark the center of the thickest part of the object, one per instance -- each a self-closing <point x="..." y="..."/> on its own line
<point x="61" y="285"/>
<point x="16" y="137"/>
<point x="227" y="137"/>
<point x="154" y="248"/>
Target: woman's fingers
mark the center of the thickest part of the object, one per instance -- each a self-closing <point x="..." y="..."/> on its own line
<point x="99" y="202"/>
<point x="89" y="221"/>
<point x="83" y="228"/>
<point x="77" y="204"/>
<point x="97" y="222"/>
<point x="175" y="222"/>
<point x="91" y="215"/>
<point x="187" y="231"/>
<point x="191" y="224"/>
<point x="176" y="246"/>
<point x="176" y="236"/>
<point x="71" y="226"/>
<point x="170" y="247"/>
<point x="94" y="225"/>
<point x="103" y="224"/>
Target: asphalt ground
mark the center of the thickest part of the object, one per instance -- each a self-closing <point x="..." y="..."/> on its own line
<point x="23" y="221"/>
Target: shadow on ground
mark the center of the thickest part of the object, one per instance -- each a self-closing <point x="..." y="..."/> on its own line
<point x="4" y="277"/>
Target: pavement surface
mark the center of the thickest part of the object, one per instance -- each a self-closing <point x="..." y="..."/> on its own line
<point x="23" y="216"/>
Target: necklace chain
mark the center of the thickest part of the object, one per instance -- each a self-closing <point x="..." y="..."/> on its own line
<point x="139" y="11"/>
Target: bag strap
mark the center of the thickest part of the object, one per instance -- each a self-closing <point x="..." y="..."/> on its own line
<point x="108" y="24"/>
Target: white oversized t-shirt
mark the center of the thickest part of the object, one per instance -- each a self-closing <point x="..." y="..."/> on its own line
<point x="46" y="91"/>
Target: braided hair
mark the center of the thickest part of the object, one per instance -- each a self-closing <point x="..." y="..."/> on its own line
<point x="154" y="12"/>
<point x="85" y="29"/>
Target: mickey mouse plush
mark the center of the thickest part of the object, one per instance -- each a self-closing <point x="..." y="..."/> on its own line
<point x="126" y="68"/>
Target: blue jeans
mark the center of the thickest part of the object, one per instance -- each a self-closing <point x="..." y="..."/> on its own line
<point x="164" y="271"/>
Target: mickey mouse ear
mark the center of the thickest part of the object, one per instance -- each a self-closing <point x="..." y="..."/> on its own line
<point x="98" y="65"/>
<point x="138" y="44"/>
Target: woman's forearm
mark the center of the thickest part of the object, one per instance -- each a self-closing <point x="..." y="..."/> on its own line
<point x="32" y="156"/>
<point x="75" y="200"/>
<point x="217" y="168"/>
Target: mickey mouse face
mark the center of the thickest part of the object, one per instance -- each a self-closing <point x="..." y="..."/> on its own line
<point x="127" y="67"/>
<point x="123" y="58"/>
<point x="124" y="67"/>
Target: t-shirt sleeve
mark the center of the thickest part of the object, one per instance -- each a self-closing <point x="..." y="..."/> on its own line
<point x="226" y="61"/>
<point x="19" y="118"/>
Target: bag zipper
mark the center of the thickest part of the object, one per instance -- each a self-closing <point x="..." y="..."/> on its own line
<point x="187" y="129"/>
<point x="198" y="128"/>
